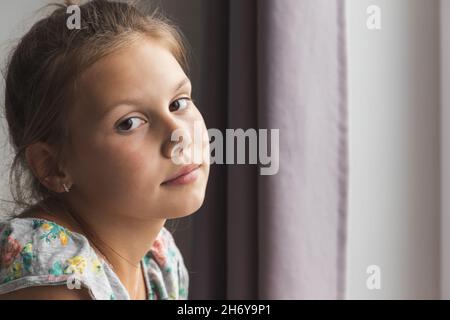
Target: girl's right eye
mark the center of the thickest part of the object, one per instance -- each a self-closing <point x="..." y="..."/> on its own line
<point x="130" y="124"/>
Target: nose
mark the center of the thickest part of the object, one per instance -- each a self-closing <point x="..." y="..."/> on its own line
<point x="177" y="141"/>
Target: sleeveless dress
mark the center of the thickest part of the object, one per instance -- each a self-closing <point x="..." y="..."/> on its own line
<point x="39" y="252"/>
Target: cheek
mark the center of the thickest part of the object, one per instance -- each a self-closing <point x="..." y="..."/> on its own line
<point x="120" y="164"/>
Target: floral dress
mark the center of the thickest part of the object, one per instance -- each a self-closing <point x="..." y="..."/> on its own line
<point x="38" y="252"/>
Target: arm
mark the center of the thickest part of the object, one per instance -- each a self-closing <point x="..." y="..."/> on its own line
<point x="59" y="292"/>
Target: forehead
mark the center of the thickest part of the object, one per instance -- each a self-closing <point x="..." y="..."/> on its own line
<point x="145" y="70"/>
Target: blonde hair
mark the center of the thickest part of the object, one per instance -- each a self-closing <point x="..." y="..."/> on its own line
<point x="42" y="72"/>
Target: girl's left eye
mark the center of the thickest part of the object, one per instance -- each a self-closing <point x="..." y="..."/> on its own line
<point x="130" y="124"/>
<point x="179" y="104"/>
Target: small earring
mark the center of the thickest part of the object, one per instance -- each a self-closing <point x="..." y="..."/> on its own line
<point x="65" y="187"/>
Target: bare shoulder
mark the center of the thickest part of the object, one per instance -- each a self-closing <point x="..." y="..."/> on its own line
<point x="59" y="292"/>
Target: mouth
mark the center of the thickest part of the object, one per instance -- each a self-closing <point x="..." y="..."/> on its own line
<point x="185" y="175"/>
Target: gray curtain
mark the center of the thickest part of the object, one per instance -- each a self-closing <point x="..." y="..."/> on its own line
<point x="270" y="64"/>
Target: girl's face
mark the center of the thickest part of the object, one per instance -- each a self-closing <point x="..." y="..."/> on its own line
<point x="126" y="107"/>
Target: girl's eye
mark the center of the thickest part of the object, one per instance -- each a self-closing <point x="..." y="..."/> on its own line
<point x="179" y="104"/>
<point x="130" y="124"/>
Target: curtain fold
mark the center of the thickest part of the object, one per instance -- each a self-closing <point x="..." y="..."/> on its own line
<point x="242" y="188"/>
<point x="302" y="210"/>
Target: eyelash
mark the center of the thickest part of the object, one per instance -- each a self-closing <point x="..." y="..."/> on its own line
<point x="181" y="99"/>
<point x="187" y="99"/>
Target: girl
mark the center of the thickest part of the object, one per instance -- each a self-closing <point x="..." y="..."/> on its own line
<point x="90" y="113"/>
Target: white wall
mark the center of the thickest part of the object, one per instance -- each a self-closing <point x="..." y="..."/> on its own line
<point x="394" y="149"/>
<point x="445" y="145"/>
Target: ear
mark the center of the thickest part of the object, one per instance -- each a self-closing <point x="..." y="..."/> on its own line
<point x="42" y="160"/>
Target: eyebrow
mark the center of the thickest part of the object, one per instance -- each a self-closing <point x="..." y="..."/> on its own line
<point x="180" y="85"/>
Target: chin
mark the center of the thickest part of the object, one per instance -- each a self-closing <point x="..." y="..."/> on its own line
<point x="186" y="206"/>
<point x="186" y="200"/>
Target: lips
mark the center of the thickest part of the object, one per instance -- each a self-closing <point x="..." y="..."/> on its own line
<point x="183" y="171"/>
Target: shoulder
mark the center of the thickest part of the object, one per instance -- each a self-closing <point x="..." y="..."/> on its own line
<point x="36" y="253"/>
<point x="167" y="268"/>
